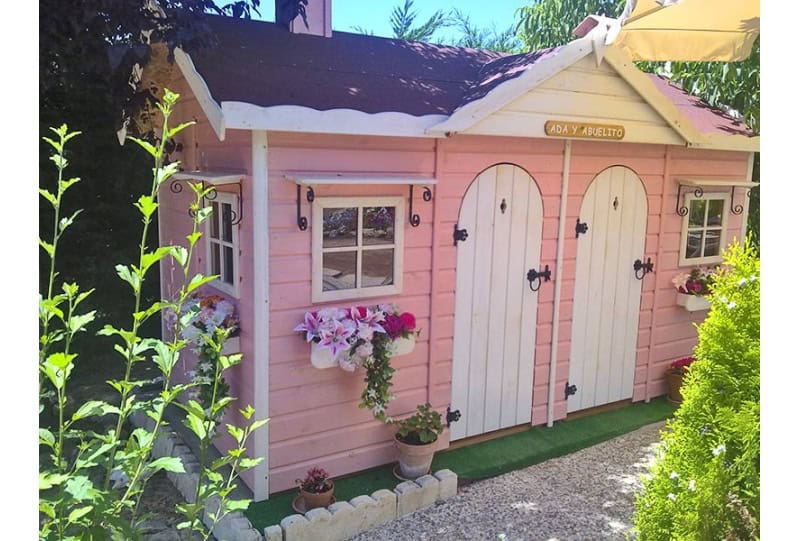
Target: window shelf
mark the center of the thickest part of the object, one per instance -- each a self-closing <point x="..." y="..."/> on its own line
<point x="310" y="180"/>
<point x="699" y="184"/>
<point x="213" y="178"/>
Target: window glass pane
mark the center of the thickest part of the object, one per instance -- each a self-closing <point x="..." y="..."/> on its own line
<point x="339" y="227"/>
<point x="378" y="225"/>
<point x="694" y="244"/>
<point x="713" y="238"/>
<point x="697" y="213"/>
<point x="214" y="258"/>
<point x="715" y="212"/>
<point x="227" y="276"/>
<point x="214" y="221"/>
<point x="377" y="268"/>
<point x="338" y="271"/>
<point x="227" y="228"/>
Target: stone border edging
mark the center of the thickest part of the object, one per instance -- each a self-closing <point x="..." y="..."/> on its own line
<point x="337" y="522"/>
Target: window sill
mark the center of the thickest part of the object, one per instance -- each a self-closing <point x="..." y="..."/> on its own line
<point x="693" y="303"/>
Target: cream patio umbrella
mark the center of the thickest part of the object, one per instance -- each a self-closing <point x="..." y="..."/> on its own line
<point x="687" y="30"/>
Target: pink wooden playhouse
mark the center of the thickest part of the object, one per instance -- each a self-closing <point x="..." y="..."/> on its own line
<point x="535" y="209"/>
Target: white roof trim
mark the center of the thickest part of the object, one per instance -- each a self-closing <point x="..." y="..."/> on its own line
<point x="202" y="93"/>
<point x="296" y="118"/>
<point x="216" y="177"/>
<point x="500" y="96"/>
<point x="729" y="142"/>
<point x="319" y="179"/>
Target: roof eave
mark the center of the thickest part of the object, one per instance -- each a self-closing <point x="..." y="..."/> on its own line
<point x="197" y="84"/>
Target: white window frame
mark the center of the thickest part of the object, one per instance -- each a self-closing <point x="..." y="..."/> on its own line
<point x="320" y="203"/>
<point x="232" y="200"/>
<point x="683" y="261"/>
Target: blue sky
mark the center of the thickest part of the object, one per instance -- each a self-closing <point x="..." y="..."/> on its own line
<point x="374" y="14"/>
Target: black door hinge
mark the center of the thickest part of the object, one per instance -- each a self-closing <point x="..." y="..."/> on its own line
<point x="452" y="416"/>
<point x="569" y="390"/>
<point x="459" y="234"/>
<point x="580" y="227"/>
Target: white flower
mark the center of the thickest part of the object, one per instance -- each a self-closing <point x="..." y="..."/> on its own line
<point x="753" y="278"/>
<point x="191" y="374"/>
<point x="691" y="485"/>
<point x="674" y="475"/>
<point x="723" y="298"/>
<point x="672" y="496"/>
<point x="731" y="305"/>
<point x="680" y="280"/>
<point x="742" y="282"/>
<point x="365" y="332"/>
<point x="327" y="314"/>
<point x="119" y="478"/>
<point x="718" y="449"/>
<point x="205" y="367"/>
<point x="364" y="350"/>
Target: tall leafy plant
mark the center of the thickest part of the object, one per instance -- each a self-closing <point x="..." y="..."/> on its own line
<point x="91" y="482"/>
<point x="705" y="483"/>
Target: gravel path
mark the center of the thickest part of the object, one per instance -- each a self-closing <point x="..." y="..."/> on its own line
<point x="587" y="495"/>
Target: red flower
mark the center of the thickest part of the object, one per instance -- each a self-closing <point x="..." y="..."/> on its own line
<point x="682" y="365"/>
<point x="362" y="311"/>
<point x="393" y="326"/>
<point x="409" y="321"/>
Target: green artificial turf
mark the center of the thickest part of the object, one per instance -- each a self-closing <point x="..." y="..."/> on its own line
<point x="490" y="458"/>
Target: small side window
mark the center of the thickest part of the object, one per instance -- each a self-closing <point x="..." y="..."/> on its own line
<point x="222" y="244"/>
<point x="703" y="236"/>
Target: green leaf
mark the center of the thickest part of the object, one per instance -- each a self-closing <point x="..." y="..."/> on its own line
<point x="236" y="432"/>
<point x="194" y="237"/>
<point x="213" y="476"/>
<point x="236" y="505"/>
<point x="168" y="463"/>
<point x="46" y="437"/>
<point x="165" y="172"/>
<point x="247" y="463"/>
<point x="199" y="280"/>
<point x="145" y="145"/>
<point x="196" y="425"/>
<point x="60" y="359"/>
<point x="132" y="278"/>
<point x="203" y="214"/>
<point x="146" y="205"/>
<point x="65" y="185"/>
<point x="48" y="480"/>
<point x="49" y="196"/>
<point x="47" y="247"/>
<point x="59" y="160"/>
<point x="179" y="254"/>
<point x="179" y="128"/>
<point x="55" y="144"/>
<point x="247" y="412"/>
<point x="94" y="407"/>
<point x="150" y="258"/>
<point x="78" y="513"/>
<point x="78" y="323"/>
<point x="80" y="487"/>
<point x="255" y="425"/>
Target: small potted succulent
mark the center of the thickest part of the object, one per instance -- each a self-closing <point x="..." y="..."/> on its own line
<point x="693" y="289"/>
<point x="677" y="369"/>
<point x="316" y="489"/>
<point x="416" y="441"/>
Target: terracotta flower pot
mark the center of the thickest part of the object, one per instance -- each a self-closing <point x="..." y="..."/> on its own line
<point x="415" y="460"/>
<point x="318" y="499"/>
<point x="674" y="381"/>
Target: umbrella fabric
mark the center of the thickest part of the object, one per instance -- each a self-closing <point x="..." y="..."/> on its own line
<point x="688" y="30"/>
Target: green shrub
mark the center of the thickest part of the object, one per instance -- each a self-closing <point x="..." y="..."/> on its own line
<point x="705" y="481"/>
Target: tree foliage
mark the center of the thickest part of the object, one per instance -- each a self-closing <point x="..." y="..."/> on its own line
<point x="705" y="483"/>
<point x="548" y="23"/>
<point x="403" y="19"/>
<point x="476" y="37"/>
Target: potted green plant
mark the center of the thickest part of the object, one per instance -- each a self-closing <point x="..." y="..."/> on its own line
<point x="677" y="369"/>
<point x="316" y="489"/>
<point x="416" y="441"/>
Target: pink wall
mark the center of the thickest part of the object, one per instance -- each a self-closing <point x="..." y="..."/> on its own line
<point x="314" y="415"/>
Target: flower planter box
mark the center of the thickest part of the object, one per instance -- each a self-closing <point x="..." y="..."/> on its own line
<point x="321" y="357"/>
<point x="693" y="303"/>
<point x="231" y="346"/>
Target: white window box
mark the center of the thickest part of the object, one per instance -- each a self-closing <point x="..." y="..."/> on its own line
<point x="322" y="358"/>
<point x="693" y="303"/>
<point x="231" y="346"/>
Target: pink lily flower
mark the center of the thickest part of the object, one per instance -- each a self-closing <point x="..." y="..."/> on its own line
<point x="336" y="339"/>
<point x="310" y="326"/>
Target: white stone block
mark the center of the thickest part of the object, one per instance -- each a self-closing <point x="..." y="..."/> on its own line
<point x="409" y="497"/>
<point x="295" y="528"/>
<point x="386" y="506"/>
<point x="273" y="533"/>
<point x="430" y="490"/>
<point x="344" y="523"/>
<point x="320" y="520"/>
<point x="251" y="534"/>
<point x="448" y="484"/>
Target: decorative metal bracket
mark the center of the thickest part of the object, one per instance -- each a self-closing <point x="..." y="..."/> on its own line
<point x="234" y="216"/>
<point x="580" y="227"/>
<point x="684" y="210"/>
<point x="427" y="195"/>
<point x="534" y="275"/>
<point x="302" y="221"/>
<point x="459" y="235"/>
<point x="643" y="267"/>
<point x="452" y="416"/>
<point x="569" y="390"/>
<point x="736" y="210"/>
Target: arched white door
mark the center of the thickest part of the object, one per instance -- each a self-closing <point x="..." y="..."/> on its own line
<point x="495" y="311"/>
<point x="605" y="319"/>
